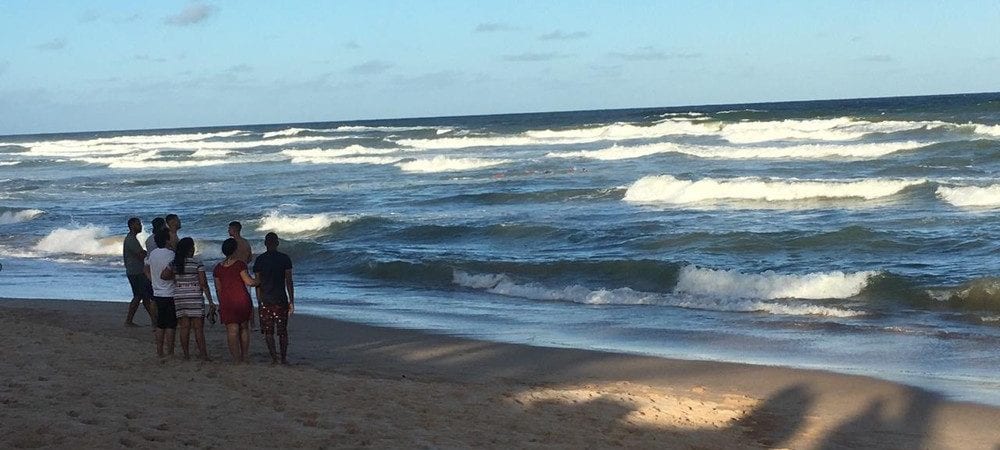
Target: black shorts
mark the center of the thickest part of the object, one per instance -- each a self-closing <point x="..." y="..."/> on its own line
<point x="142" y="289"/>
<point x="166" y="314"/>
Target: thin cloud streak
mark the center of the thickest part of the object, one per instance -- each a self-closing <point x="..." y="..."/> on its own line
<point x="649" y="53"/>
<point x="535" y="57"/>
<point x="53" y="45"/>
<point x="192" y="14"/>
<point x="560" y="35"/>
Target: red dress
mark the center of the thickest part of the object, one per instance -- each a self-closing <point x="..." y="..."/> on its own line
<point x="234" y="299"/>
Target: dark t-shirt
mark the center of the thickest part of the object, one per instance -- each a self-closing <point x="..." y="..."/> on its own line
<point x="131" y="253"/>
<point x="272" y="266"/>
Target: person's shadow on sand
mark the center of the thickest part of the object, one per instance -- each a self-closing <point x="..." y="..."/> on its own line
<point x="769" y="425"/>
<point x="775" y="423"/>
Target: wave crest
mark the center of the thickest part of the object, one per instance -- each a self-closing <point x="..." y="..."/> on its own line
<point x="448" y="164"/>
<point x="299" y="223"/>
<point x="971" y="195"/>
<point x="9" y="217"/>
<point x="86" y="240"/>
<point x="667" y="189"/>
<point x="771" y="285"/>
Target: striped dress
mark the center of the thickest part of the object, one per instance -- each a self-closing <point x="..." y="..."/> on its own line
<point x="188" y="298"/>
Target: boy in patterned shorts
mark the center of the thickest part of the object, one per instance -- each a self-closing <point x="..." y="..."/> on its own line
<point x="275" y="296"/>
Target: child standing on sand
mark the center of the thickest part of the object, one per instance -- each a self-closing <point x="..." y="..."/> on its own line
<point x="235" y="308"/>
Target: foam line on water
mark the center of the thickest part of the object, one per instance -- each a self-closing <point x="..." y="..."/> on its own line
<point x="448" y="164"/>
<point x="9" y="217"/>
<point x="971" y="196"/>
<point x="502" y="284"/>
<point x="801" y="151"/>
<point x="299" y="223"/>
<point x="668" y="189"/>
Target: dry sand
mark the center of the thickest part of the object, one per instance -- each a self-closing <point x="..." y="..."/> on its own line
<point x="72" y="376"/>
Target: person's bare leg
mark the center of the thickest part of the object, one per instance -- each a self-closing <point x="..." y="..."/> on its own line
<point x="245" y="341"/>
<point x="283" y="341"/>
<point x="133" y="306"/>
<point x="198" y="324"/>
<point x="233" y="339"/>
<point x="184" y="323"/>
<point x="158" y="338"/>
<point x="168" y="337"/>
<point x="270" y="347"/>
<point x="150" y="309"/>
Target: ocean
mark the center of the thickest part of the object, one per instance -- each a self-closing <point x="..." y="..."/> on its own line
<point x="856" y="236"/>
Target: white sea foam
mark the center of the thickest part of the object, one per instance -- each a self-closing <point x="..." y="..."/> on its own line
<point x="448" y="164"/>
<point x="971" y="196"/>
<point x="988" y="130"/>
<point x="299" y="223"/>
<point x="363" y="128"/>
<point x="667" y="189"/>
<point x="770" y="285"/>
<point x="502" y="284"/>
<point x="286" y="132"/>
<point x="622" y="131"/>
<point x="9" y="217"/>
<point x="354" y="154"/>
<point x="9" y="163"/>
<point x="837" y="129"/>
<point x="807" y="151"/>
<point x="86" y="240"/>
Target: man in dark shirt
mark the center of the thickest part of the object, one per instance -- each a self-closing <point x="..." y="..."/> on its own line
<point x="275" y="295"/>
<point x="133" y="255"/>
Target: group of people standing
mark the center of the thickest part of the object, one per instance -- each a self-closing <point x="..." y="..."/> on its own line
<point x="172" y="284"/>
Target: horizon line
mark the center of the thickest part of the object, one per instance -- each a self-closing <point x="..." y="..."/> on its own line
<point x="568" y="111"/>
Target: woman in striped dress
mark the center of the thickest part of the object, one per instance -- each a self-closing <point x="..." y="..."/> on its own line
<point x="189" y="294"/>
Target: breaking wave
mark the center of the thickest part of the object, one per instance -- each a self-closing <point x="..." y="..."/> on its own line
<point x="855" y="151"/>
<point x="87" y="240"/>
<point x="448" y="164"/>
<point x="971" y="196"/>
<point x="667" y="189"/>
<point x="502" y="284"/>
<point x="299" y="223"/>
<point x="9" y="217"/>
<point x="771" y="285"/>
<point x="355" y="154"/>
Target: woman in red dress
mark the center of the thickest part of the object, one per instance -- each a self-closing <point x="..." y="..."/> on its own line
<point x="235" y="308"/>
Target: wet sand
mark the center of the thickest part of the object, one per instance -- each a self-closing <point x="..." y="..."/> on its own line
<point x="72" y="375"/>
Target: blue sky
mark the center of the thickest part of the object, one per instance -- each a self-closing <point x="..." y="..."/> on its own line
<point x="97" y="65"/>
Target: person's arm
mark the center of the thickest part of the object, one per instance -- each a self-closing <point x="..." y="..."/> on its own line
<point x="247" y="279"/>
<point x="167" y="273"/>
<point x="257" y="290"/>
<point x="290" y="287"/>
<point x="203" y="281"/>
<point x="145" y="270"/>
<point x="218" y="293"/>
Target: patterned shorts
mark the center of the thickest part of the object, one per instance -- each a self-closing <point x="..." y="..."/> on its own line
<point x="274" y="318"/>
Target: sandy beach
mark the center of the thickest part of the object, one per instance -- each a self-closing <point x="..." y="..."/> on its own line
<point x="73" y="376"/>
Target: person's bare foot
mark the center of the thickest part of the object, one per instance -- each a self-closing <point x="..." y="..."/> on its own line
<point x="285" y="362"/>
<point x="130" y="324"/>
<point x="187" y="357"/>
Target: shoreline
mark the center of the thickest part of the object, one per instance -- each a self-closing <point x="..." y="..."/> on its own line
<point x="531" y="389"/>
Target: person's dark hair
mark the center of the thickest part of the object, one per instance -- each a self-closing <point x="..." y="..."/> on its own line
<point x="158" y="223"/>
<point x="236" y="224"/>
<point x="271" y="240"/>
<point x="133" y="220"/>
<point x="229" y="247"/>
<point x="161" y="237"/>
<point x="185" y="250"/>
